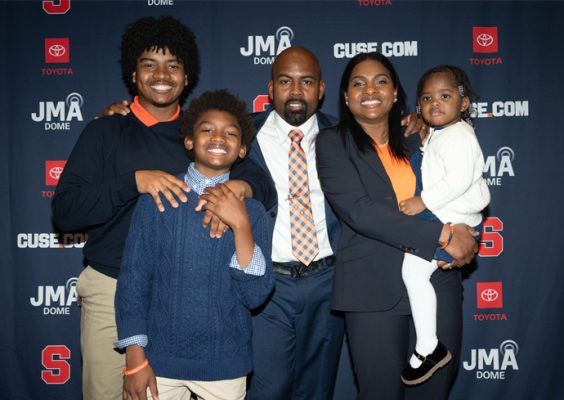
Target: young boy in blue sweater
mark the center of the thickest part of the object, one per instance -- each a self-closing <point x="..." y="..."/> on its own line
<point x="183" y="298"/>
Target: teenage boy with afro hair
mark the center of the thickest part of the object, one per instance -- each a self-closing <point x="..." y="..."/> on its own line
<point x="116" y="159"/>
<point x="185" y="318"/>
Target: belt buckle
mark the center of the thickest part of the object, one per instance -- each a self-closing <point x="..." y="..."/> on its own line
<point x="300" y="270"/>
<point x="303" y="270"/>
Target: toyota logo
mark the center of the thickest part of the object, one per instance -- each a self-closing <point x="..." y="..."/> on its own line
<point x="57" y="50"/>
<point x="489" y="295"/>
<point x="55" y="172"/>
<point x="484" y="39"/>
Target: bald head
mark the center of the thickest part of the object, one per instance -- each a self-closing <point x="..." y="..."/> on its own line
<point x="297" y="55"/>
<point x="296" y="85"/>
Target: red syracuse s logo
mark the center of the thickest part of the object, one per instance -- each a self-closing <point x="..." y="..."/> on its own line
<point x="489" y="295"/>
<point x="56" y="6"/>
<point x="261" y="103"/>
<point x="491" y="242"/>
<point x="57" y="370"/>
<point x="484" y="39"/>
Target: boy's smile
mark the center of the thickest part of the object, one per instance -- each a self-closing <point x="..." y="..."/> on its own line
<point x="216" y="143"/>
<point x="160" y="80"/>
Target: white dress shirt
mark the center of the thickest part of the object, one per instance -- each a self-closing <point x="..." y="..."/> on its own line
<point x="275" y="145"/>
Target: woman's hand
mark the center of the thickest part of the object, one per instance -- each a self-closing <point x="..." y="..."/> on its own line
<point x="414" y="124"/>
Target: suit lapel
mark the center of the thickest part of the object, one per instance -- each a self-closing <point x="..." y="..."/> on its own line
<point x="371" y="159"/>
<point x="256" y="155"/>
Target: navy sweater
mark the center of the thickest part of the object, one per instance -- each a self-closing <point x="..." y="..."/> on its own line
<point x="97" y="191"/>
<point x="176" y="287"/>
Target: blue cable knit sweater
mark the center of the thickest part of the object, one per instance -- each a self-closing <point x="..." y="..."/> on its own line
<point x="176" y="287"/>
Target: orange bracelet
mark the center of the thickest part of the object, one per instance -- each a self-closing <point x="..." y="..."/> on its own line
<point x="132" y="371"/>
<point x="451" y="234"/>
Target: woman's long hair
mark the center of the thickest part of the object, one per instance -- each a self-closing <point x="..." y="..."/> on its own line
<point x="347" y="123"/>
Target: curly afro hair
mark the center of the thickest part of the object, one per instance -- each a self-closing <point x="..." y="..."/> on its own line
<point x="149" y="33"/>
<point x="220" y="100"/>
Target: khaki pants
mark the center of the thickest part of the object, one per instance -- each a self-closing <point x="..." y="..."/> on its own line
<point x="102" y="365"/>
<point x="230" y="389"/>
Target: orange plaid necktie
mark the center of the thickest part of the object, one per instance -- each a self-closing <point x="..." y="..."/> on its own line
<point x="302" y="225"/>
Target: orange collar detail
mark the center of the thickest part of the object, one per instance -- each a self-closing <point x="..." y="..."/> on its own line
<point x="145" y="116"/>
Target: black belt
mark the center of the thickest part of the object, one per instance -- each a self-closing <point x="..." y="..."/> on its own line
<point x="298" y="270"/>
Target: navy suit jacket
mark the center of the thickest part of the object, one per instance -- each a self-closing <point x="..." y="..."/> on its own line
<point x="255" y="154"/>
<point x="375" y="234"/>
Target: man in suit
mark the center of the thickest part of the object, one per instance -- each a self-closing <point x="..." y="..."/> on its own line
<point x="296" y="338"/>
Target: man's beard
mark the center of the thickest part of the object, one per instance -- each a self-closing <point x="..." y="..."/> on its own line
<point x="295" y="118"/>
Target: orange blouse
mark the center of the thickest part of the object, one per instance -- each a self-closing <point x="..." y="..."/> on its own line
<point x="399" y="172"/>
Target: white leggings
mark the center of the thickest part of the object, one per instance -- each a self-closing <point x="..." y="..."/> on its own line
<point x="416" y="273"/>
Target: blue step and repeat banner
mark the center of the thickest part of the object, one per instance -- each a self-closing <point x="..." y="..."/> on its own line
<point x="60" y="69"/>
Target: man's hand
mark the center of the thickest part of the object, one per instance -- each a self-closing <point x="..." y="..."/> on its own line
<point x="117" y="108"/>
<point x="412" y="206"/>
<point x="241" y="189"/>
<point x="155" y="182"/>
<point x="414" y="124"/>
<point x="462" y="246"/>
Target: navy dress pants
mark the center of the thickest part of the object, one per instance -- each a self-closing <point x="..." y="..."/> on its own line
<point x="296" y="340"/>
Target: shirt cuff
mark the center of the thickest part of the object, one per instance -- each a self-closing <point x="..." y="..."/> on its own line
<point x="256" y="267"/>
<point x="137" y="340"/>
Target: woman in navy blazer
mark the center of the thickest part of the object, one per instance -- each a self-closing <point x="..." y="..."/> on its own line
<point x="363" y="166"/>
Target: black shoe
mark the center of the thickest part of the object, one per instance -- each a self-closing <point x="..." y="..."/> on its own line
<point x="437" y="359"/>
